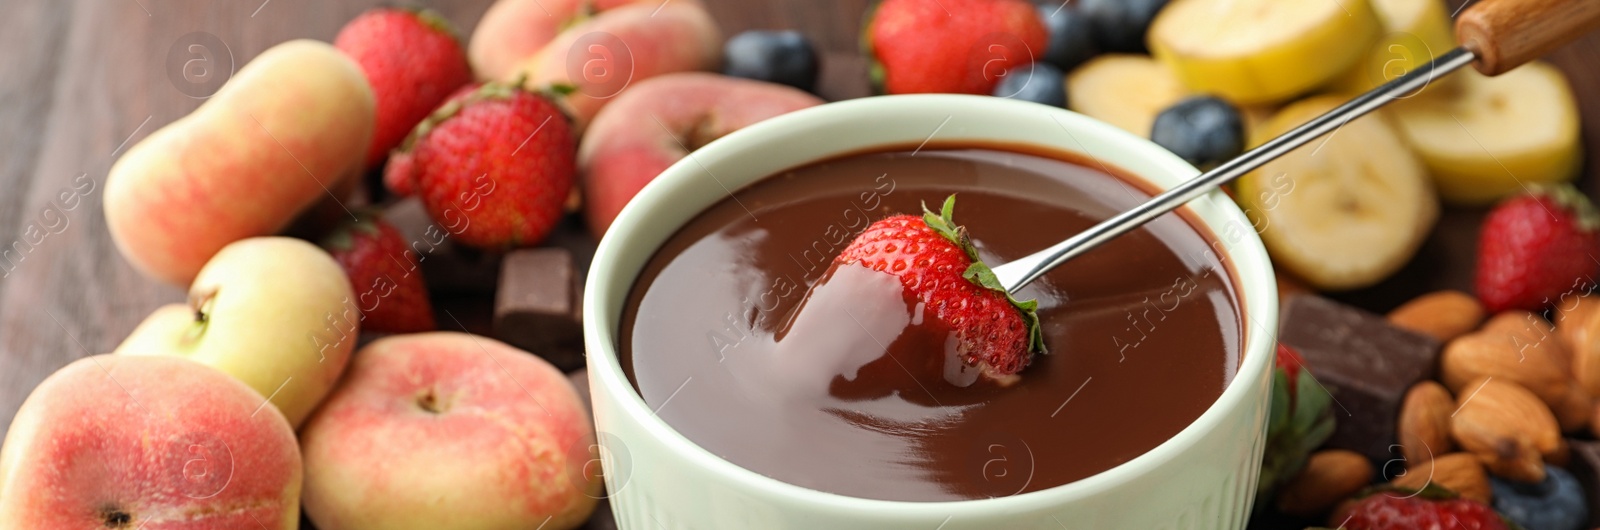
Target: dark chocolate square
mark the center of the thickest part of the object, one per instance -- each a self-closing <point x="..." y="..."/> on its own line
<point x="536" y="305"/>
<point x="1365" y="363"/>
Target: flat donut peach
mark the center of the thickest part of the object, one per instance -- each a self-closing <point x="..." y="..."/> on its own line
<point x="625" y="148"/>
<point x="621" y="47"/>
<point x="514" y="30"/>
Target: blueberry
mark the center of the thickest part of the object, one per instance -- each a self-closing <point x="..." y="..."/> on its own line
<point x="784" y="57"/>
<point x="1036" y="82"/>
<point x="1555" y="504"/>
<point x="1203" y="130"/>
<point x="1071" y="42"/>
<point x="1119" y="25"/>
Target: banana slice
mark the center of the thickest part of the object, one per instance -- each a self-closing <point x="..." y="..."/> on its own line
<point x="1487" y="137"/>
<point x="1345" y="211"/>
<point x="1123" y="90"/>
<point x="1415" y="32"/>
<point x="1262" y="51"/>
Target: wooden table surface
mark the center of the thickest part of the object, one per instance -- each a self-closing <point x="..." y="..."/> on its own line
<point x="80" y="80"/>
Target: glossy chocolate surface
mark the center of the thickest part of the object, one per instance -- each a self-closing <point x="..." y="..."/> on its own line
<point x="1143" y="333"/>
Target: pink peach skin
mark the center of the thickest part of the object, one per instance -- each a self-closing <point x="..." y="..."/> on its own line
<point x="513" y="30"/>
<point x="657" y="39"/>
<point x="449" y="430"/>
<point x="153" y="443"/>
<point x="625" y="148"/>
<point x="272" y="141"/>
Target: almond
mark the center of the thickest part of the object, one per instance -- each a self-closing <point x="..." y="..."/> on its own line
<point x="1530" y="332"/>
<point x="1443" y="315"/>
<point x="1330" y="476"/>
<point x="1485" y="353"/>
<point x="1506" y="427"/>
<point x="1458" y="472"/>
<point x="1570" y="316"/>
<point x="1424" y="428"/>
<point x="1578" y="327"/>
<point x="1521" y="347"/>
<point x="1518" y="320"/>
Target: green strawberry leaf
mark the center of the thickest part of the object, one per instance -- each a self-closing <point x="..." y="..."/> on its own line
<point x="1278" y="421"/>
<point x="343" y="237"/>
<point x="1299" y="422"/>
<point x="489" y="91"/>
<point x="1312" y="408"/>
<point x="340" y="240"/>
<point x="562" y="89"/>
<point x="1571" y="200"/>
<point x="876" y="76"/>
<point x="1318" y="433"/>
<point x="943" y="223"/>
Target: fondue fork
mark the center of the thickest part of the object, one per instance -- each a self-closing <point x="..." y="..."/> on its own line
<point x="1494" y="35"/>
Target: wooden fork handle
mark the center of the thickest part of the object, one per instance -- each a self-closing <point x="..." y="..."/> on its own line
<point x="1504" y="34"/>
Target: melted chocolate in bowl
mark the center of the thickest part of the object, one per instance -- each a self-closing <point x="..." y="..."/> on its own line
<point x="1144" y="333"/>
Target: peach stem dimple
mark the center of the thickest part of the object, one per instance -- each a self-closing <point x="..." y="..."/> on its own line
<point x="429" y="401"/>
<point x="115" y="517"/>
<point x="201" y="304"/>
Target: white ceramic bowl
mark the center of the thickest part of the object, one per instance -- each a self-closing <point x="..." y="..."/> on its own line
<point x="1204" y="477"/>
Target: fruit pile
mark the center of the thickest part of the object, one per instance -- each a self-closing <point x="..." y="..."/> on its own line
<point x="315" y="376"/>
<point x="438" y="179"/>
<point x="1209" y="78"/>
<point x="1493" y="416"/>
<point x="1454" y="403"/>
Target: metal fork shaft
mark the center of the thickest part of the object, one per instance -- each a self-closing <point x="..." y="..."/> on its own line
<point x="1019" y="273"/>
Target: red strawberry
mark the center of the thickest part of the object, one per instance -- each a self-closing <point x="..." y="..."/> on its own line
<point x="389" y="289"/>
<point x="413" y="62"/>
<point x="936" y="262"/>
<point x="1535" y="247"/>
<point x="1432" y="508"/>
<point x="1290" y="363"/>
<point x="1301" y="419"/>
<point x="959" y="46"/>
<point x="493" y="165"/>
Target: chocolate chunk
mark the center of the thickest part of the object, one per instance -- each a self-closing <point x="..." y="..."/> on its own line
<point x="448" y="268"/>
<point x="1585" y="465"/>
<point x="1365" y="363"/>
<point x="536" y="306"/>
